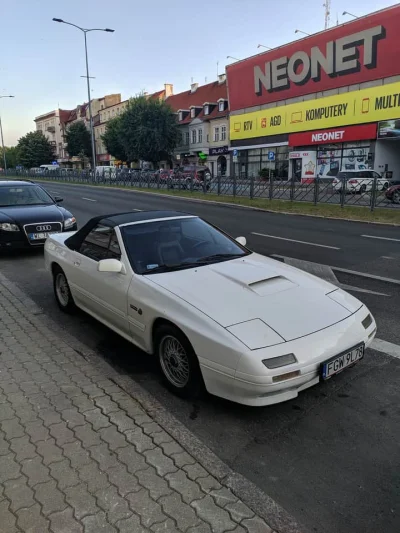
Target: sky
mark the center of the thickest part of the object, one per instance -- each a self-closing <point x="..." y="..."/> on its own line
<point x="155" y="42"/>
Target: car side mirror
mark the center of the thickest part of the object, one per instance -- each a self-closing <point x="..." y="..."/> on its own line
<point x="58" y="199"/>
<point x="241" y="240"/>
<point x="111" y="265"/>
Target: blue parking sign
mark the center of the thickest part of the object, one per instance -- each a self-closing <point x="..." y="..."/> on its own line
<point x="271" y="156"/>
<point x="235" y="153"/>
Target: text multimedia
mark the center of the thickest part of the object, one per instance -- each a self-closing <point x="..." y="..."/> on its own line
<point x="342" y="56"/>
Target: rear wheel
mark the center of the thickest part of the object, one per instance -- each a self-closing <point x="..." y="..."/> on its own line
<point x="62" y="291"/>
<point x="178" y="362"/>
<point x="396" y="197"/>
<point x="363" y="188"/>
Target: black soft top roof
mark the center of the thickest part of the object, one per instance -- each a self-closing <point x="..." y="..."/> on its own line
<point x="117" y="219"/>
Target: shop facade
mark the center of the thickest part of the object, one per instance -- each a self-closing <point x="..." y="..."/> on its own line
<point x="325" y="103"/>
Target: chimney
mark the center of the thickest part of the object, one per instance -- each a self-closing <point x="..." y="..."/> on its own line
<point x="193" y="87"/>
<point x="221" y="79"/>
<point x="169" y="89"/>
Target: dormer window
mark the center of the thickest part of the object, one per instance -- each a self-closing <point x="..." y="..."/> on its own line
<point x="221" y="105"/>
<point x="192" y="112"/>
<point x="207" y="109"/>
<point x="180" y="116"/>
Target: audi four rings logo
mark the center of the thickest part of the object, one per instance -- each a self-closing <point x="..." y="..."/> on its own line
<point x="43" y="228"/>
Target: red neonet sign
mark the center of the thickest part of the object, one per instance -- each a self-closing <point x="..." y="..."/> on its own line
<point x="365" y="49"/>
<point x="336" y="135"/>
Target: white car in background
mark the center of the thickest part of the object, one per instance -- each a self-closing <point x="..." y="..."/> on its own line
<point x="251" y="329"/>
<point x="359" y="181"/>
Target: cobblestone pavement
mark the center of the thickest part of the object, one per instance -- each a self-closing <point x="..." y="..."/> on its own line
<point x="78" y="454"/>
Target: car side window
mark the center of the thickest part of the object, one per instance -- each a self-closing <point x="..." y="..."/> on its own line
<point x="101" y="243"/>
<point x="376" y="175"/>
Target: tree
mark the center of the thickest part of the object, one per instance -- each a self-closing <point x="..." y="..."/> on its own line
<point x="11" y="156"/>
<point x="34" y="150"/>
<point x="112" y="140"/>
<point x="78" y="140"/>
<point x="148" y="130"/>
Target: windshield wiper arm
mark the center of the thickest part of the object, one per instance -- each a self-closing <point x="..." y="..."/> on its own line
<point x="220" y="256"/>
<point x="170" y="267"/>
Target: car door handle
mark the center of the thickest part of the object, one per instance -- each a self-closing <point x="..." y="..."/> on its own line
<point x="77" y="263"/>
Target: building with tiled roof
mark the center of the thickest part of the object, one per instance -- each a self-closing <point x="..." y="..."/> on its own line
<point x="202" y="114"/>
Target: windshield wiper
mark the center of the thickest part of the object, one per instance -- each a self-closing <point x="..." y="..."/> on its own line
<point x="219" y="256"/>
<point x="170" y="267"/>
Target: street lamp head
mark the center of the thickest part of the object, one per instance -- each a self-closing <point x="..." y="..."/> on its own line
<point x="109" y="30"/>
<point x="58" y="20"/>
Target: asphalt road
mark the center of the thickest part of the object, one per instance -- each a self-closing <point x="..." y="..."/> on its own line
<point x="331" y="456"/>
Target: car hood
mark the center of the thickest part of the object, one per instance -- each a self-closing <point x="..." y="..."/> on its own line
<point x="264" y="293"/>
<point x="26" y="214"/>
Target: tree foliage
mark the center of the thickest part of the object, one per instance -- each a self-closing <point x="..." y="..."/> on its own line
<point x="11" y="156"/>
<point x="148" y="130"/>
<point x="78" y="140"/>
<point x="34" y="150"/>
<point x="112" y="139"/>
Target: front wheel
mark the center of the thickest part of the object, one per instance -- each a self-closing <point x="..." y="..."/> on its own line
<point x="363" y="188"/>
<point x="178" y="362"/>
<point x="62" y="291"/>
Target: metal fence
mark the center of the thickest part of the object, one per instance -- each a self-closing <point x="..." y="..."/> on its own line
<point x="366" y="192"/>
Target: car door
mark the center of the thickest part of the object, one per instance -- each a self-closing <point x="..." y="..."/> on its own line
<point x="102" y="294"/>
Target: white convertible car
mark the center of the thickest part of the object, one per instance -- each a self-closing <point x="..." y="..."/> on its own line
<point x="251" y="329"/>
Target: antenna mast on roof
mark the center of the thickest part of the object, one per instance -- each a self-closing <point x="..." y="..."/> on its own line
<point x="217" y="69"/>
<point x="327" y="7"/>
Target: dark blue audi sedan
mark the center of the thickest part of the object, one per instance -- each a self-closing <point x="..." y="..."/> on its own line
<point x="28" y="215"/>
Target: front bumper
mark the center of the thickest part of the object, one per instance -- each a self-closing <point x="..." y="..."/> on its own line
<point x="17" y="240"/>
<point x="252" y="384"/>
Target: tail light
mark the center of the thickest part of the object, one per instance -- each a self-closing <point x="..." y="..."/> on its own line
<point x="353" y="182"/>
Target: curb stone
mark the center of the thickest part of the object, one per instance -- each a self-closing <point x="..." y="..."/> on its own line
<point x="242" y="488"/>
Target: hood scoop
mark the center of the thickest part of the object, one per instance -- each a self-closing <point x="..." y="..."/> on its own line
<point x="271" y="285"/>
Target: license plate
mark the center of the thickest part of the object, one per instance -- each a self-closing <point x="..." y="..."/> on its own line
<point x="340" y="362"/>
<point x="41" y="236"/>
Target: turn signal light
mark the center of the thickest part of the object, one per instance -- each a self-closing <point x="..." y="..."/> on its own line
<point x="282" y="360"/>
<point x="284" y="377"/>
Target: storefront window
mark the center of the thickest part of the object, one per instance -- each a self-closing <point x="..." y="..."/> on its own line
<point x="347" y="156"/>
<point x="252" y="162"/>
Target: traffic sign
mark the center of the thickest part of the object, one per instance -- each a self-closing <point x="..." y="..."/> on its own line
<point x="235" y="153"/>
<point x="271" y="156"/>
<point x="54" y="163"/>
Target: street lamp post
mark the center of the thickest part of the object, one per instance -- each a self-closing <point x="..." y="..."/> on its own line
<point x="85" y="31"/>
<point x="263" y="46"/>
<point x="234" y="58"/>
<point x="347" y="13"/>
<point x="303" y="32"/>
<point x="1" y="132"/>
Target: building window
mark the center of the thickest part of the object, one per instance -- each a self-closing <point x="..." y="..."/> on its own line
<point x="200" y="136"/>
<point x="223" y="133"/>
<point x="206" y="110"/>
<point x="180" y="116"/>
<point x="113" y="112"/>
<point x="208" y="138"/>
<point x="216" y="134"/>
<point x="194" y="136"/>
<point x="221" y="105"/>
<point x="187" y="137"/>
<point x="192" y="112"/>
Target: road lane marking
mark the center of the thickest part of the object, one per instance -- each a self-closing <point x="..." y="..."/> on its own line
<point x="294" y="240"/>
<point x="381" y="238"/>
<point x="326" y="273"/>
<point x="386" y="347"/>
<point x="88" y="199"/>
<point x="54" y="192"/>
<point x="137" y="209"/>
<point x="386" y="257"/>
<point x="347" y="271"/>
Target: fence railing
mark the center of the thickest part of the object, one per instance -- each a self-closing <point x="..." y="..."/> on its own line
<point x="364" y="192"/>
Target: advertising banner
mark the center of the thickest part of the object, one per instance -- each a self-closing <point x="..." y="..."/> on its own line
<point x="389" y="129"/>
<point x="365" y="49"/>
<point x="336" y="135"/>
<point x="358" y="107"/>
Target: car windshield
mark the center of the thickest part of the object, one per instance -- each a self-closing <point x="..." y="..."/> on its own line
<point x="176" y="244"/>
<point x="23" y="195"/>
